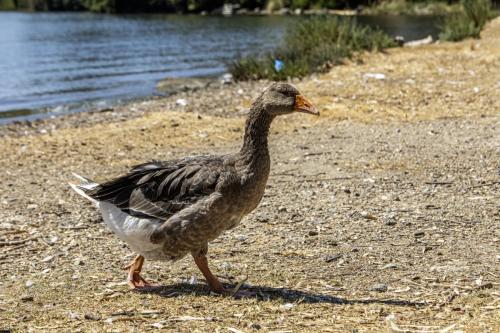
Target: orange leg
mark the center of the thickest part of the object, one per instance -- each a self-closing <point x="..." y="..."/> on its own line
<point x="134" y="278"/>
<point x="214" y="283"/>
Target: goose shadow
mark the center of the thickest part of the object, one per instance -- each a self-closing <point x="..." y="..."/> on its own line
<point x="265" y="293"/>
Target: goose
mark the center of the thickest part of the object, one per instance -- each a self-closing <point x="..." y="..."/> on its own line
<point x="165" y="210"/>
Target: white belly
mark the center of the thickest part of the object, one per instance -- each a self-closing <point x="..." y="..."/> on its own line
<point x="133" y="230"/>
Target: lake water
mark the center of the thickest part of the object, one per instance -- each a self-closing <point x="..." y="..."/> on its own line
<point x="53" y="63"/>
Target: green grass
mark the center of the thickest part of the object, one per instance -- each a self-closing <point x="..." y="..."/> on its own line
<point x="314" y="45"/>
<point x="467" y="23"/>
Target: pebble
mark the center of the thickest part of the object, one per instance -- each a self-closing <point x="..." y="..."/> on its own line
<point x="158" y="325"/>
<point x="390" y="221"/>
<point x="29" y="284"/>
<point x="287" y="306"/>
<point x="313" y="233"/>
<point x="78" y="262"/>
<point x="390" y="266"/>
<point x="333" y="257"/>
<point x="48" y="259"/>
<point x="92" y="316"/>
<point x="27" y="298"/>
<point x="368" y="216"/>
<point x="242" y="238"/>
<point x="380" y="287"/>
<point x="255" y="326"/>
<point x="74" y="316"/>
<point x="262" y="217"/>
<point x="419" y="233"/>
<point x="376" y="76"/>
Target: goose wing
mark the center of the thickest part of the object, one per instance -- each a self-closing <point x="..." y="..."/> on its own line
<point x="160" y="189"/>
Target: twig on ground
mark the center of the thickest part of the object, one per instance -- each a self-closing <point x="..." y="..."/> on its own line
<point x="487" y="184"/>
<point x="19" y="242"/>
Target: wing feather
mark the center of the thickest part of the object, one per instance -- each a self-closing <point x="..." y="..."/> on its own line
<point x="160" y="189"/>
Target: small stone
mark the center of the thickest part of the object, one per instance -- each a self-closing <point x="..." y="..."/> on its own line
<point x="346" y="190"/>
<point x="32" y="206"/>
<point x="29" y="284"/>
<point x="313" y="233"/>
<point x="368" y="216"/>
<point x="281" y="209"/>
<point x="379" y="287"/>
<point x="390" y="266"/>
<point x="376" y="76"/>
<point x="78" y="262"/>
<point x="333" y="257"/>
<point x="226" y="78"/>
<point x="242" y="238"/>
<point x="74" y="316"/>
<point x="92" y="316"/>
<point x="419" y="233"/>
<point x="158" y="325"/>
<point x="390" y="222"/>
<point x="487" y="285"/>
<point x="255" y="326"/>
<point x="262" y="217"/>
<point x="48" y="259"/>
<point x="287" y="306"/>
<point x="27" y="298"/>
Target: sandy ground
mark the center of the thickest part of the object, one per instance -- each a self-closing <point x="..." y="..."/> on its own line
<point x="383" y="214"/>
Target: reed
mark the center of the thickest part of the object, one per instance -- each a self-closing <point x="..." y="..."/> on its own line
<point x="467" y="23"/>
<point x="313" y="45"/>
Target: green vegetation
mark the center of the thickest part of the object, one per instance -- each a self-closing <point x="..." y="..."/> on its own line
<point x="129" y="6"/>
<point x="415" y="7"/>
<point x="313" y="45"/>
<point x="317" y="44"/>
<point x="467" y="23"/>
<point x="7" y="5"/>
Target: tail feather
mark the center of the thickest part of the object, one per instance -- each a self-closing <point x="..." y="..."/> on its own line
<point x="83" y="179"/>
<point x="86" y="184"/>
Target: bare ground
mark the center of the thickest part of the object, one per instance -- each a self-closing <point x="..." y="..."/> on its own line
<point x="381" y="215"/>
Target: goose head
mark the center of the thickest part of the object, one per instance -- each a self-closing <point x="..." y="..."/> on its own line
<point x="283" y="98"/>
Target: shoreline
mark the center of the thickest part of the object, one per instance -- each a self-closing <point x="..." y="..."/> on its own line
<point x="143" y="106"/>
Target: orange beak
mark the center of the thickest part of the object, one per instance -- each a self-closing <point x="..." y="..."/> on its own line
<point x="303" y="105"/>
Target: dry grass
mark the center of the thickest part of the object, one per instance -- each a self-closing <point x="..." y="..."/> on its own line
<point x="396" y="184"/>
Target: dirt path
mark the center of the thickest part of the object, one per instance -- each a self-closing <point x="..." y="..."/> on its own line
<point x="383" y="214"/>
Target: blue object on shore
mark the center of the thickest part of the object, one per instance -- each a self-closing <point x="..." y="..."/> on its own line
<point x="278" y="65"/>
